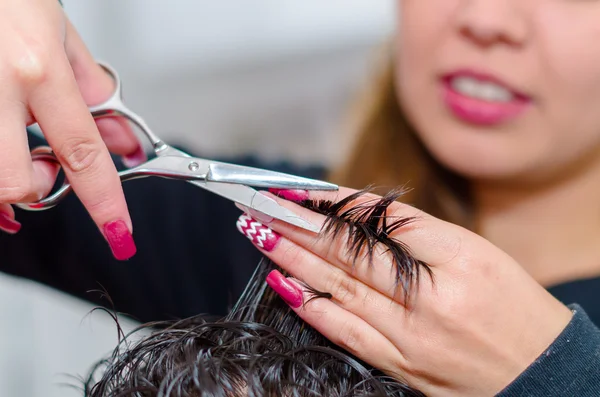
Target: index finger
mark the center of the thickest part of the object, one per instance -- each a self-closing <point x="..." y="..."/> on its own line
<point x="422" y="244"/>
<point x="402" y="251"/>
<point x="59" y="109"/>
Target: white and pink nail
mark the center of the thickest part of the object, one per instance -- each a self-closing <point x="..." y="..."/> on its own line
<point x="260" y="235"/>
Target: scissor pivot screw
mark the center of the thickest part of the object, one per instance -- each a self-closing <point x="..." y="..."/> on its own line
<point x="193" y="166"/>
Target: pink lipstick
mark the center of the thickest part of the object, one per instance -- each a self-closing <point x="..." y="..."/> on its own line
<point x="482" y="99"/>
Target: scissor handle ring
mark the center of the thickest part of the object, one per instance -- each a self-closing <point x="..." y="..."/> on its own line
<point x="114" y="103"/>
<point x="113" y="106"/>
<point x="114" y="75"/>
<point x="45" y="153"/>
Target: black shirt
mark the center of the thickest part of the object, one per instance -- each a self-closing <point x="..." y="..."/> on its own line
<point x="584" y="292"/>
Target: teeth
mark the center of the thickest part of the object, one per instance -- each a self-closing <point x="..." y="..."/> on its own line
<point x="481" y="90"/>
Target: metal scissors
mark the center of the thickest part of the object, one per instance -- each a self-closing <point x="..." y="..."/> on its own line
<point x="230" y="181"/>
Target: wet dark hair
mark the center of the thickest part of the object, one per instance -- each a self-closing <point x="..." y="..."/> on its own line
<point x="262" y="348"/>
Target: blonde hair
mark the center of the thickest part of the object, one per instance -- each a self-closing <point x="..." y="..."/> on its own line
<point x="387" y="152"/>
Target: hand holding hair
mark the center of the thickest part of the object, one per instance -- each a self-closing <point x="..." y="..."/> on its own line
<point x="426" y="301"/>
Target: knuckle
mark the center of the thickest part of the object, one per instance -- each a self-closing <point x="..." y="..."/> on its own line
<point x="13" y="192"/>
<point x="79" y="154"/>
<point x="371" y="302"/>
<point x="342" y="287"/>
<point x="318" y="309"/>
<point x="350" y="337"/>
<point x="293" y="258"/>
<point x="444" y="241"/>
<point x="30" y="64"/>
<point x="454" y="307"/>
<point x="452" y="245"/>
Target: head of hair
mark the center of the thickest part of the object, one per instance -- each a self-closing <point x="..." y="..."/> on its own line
<point x="262" y="348"/>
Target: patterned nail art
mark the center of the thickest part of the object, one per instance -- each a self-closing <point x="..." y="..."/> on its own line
<point x="260" y="235"/>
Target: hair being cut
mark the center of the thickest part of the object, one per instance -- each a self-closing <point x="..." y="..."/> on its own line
<point x="262" y="348"/>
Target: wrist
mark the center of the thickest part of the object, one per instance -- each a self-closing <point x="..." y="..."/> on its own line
<point x="568" y="367"/>
<point x="540" y="330"/>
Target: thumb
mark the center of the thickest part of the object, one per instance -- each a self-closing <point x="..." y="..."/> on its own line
<point x="96" y="86"/>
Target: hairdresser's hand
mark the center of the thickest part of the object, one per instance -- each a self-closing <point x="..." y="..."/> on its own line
<point x="49" y="77"/>
<point x="470" y="332"/>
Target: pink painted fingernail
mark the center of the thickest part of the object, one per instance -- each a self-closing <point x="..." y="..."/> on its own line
<point x="120" y="240"/>
<point x="260" y="235"/>
<point x="134" y="159"/>
<point x="289" y="292"/>
<point x="292" y="195"/>
<point x="8" y="224"/>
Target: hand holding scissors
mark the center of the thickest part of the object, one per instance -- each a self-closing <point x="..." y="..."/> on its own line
<point x="230" y="181"/>
<point x="50" y="78"/>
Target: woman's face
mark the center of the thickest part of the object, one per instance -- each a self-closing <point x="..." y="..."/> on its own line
<point x="502" y="89"/>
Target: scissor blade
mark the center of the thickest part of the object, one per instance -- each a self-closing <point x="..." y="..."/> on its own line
<point x="232" y="173"/>
<point x="250" y="198"/>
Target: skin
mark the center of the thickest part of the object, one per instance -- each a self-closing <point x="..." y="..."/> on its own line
<point x="484" y="318"/>
<point x="488" y="315"/>
<point x="49" y="77"/>
<point x="526" y="173"/>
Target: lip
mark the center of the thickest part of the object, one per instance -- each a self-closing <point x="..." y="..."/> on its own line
<point x="479" y="111"/>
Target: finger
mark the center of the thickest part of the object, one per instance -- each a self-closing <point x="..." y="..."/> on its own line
<point x="391" y="269"/>
<point x="400" y="264"/>
<point x="44" y="173"/>
<point x="20" y="180"/>
<point x="377" y="309"/>
<point x="96" y="86"/>
<point x="8" y="223"/>
<point x="69" y="127"/>
<point x="430" y="240"/>
<point x="341" y="327"/>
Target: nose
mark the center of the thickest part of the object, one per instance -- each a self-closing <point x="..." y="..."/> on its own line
<point x="490" y="22"/>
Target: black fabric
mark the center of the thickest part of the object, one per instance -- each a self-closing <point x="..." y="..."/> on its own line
<point x="569" y="367"/>
<point x="584" y="292"/>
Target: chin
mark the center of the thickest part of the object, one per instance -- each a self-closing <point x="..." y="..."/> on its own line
<point x="477" y="166"/>
<point x="481" y="155"/>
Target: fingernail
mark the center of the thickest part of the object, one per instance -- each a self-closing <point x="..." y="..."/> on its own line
<point x="259" y="216"/>
<point x="289" y="292"/>
<point x="120" y="240"/>
<point x="134" y="159"/>
<point x="8" y="224"/>
<point x="292" y="195"/>
<point x="260" y="235"/>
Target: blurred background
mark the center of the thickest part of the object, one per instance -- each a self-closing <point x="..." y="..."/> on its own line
<point x="271" y="78"/>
